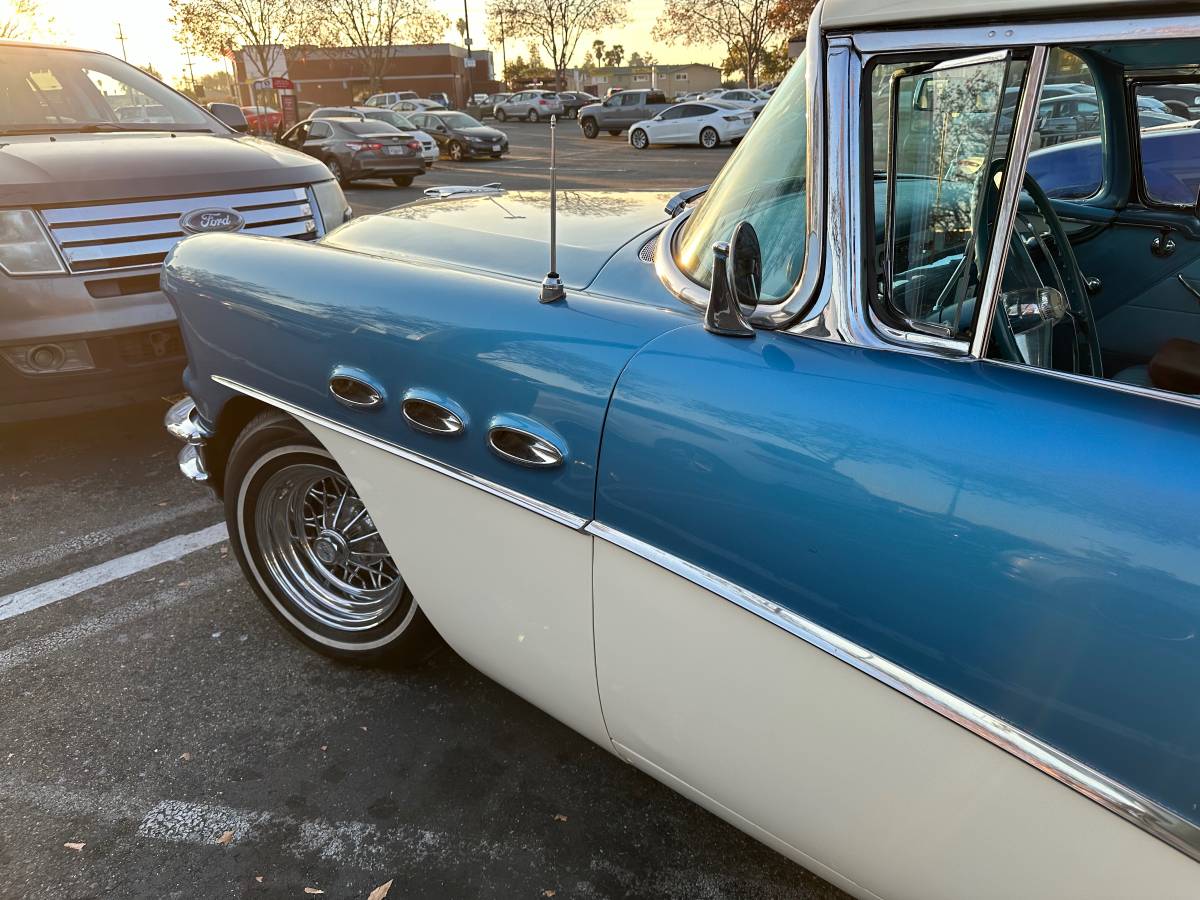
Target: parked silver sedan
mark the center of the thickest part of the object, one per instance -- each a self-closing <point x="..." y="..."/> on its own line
<point x="531" y="105"/>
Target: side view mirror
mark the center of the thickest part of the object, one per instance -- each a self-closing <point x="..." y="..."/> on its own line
<point x="231" y="115"/>
<point x="736" y="283"/>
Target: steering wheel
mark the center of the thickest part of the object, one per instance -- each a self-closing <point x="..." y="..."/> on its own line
<point x="1061" y="256"/>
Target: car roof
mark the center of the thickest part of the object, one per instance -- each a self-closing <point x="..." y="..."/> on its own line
<point x="839" y="14"/>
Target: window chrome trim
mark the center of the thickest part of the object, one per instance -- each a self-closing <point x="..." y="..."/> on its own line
<point x="1001" y="33"/>
<point x="1151" y="817"/>
<point x="1011" y="186"/>
<point x="793" y="307"/>
<point x="1122" y="387"/>
<point x="532" y="504"/>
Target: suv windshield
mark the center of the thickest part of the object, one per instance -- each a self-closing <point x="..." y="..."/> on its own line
<point x="45" y="89"/>
<point x="763" y="183"/>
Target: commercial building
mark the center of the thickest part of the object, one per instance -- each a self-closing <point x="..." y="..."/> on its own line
<point x="335" y="76"/>
<point x="670" y="79"/>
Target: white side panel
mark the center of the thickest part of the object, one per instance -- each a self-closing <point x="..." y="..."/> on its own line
<point x="509" y="590"/>
<point x="835" y="766"/>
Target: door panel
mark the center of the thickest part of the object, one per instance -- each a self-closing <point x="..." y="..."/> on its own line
<point x="844" y="775"/>
<point x="1026" y="543"/>
<point x="1142" y="303"/>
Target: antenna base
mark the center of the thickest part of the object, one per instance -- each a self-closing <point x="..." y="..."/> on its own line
<point x="552" y="289"/>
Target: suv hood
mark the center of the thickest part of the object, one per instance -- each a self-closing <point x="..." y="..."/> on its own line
<point x="509" y="233"/>
<point x="42" y="169"/>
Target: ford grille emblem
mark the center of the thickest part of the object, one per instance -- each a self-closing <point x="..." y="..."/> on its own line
<point x="202" y="221"/>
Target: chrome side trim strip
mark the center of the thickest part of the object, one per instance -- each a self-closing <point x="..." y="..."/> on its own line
<point x="1165" y="825"/>
<point x="553" y="513"/>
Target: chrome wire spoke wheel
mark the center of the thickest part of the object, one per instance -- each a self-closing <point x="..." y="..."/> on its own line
<point x="323" y="550"/>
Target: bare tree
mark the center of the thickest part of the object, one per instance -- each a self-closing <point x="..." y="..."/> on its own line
<point x="558" y="25"/>
<point x="21" y="19"/>
<point x="372" y="27"/>
<point x="748" y="29"/>
<point x="259" y="27"/>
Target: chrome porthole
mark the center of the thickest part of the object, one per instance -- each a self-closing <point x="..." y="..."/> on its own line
<point x="323" y="550"/>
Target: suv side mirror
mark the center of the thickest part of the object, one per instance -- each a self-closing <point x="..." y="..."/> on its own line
<point x="231" y="115"/>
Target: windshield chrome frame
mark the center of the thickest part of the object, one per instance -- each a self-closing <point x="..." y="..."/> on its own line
<point x="792" y="308"/>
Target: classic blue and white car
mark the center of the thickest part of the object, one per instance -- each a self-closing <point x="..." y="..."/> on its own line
<point x="856" y="498"/>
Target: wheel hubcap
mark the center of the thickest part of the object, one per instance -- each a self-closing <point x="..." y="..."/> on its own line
<point x="323" y="550"/>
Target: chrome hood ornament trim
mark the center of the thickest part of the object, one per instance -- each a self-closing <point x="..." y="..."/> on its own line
<point x="463" y="190"/>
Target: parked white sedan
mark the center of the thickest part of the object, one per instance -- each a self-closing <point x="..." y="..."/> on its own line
<point x="705" y="123"/>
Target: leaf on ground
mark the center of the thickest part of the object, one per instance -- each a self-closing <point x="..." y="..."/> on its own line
<point x="225" y="838"/>
<point x="548" y="892"/>
<point x="313" y="891"/>
<point x="324" y="747"/>
<point x="258" y="878"/>
<point x="76" y="846"/>
<point x="185" y="757"/>
<point x="559" y="817"/>
<point x="382" y="891"/>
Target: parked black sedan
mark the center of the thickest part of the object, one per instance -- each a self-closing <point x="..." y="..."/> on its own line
<point x="461" y="137"/>
<point x="359" y="148"/>
<point x="573" y="101"/>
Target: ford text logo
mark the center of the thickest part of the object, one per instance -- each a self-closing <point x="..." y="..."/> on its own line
<point x="202" y="221"/>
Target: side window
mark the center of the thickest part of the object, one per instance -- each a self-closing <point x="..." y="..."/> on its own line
<point x="945" y="150"/>
<point x="630" y="99"/>
<point x="675" y="112"/>
<point x="320" y="130"/>
<point x="1168" y="138"/>
<point x="701" y="110"/>
<point x="1067" y="152"/>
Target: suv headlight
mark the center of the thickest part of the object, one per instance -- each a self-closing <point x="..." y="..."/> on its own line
<point x="332" y="203"/>
<point x="25" y="248"/>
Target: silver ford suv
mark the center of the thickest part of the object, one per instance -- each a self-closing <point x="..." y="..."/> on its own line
<point x="103" y="169"/>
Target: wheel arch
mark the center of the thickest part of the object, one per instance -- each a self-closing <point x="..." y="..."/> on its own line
<point x="232" y="420"/>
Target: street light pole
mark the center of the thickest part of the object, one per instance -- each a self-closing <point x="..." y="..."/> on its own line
<point x="470" y="59"/>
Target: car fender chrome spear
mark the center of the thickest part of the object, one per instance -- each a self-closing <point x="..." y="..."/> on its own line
<point x="552" y="286"/>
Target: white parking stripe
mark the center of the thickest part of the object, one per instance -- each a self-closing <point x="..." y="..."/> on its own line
<point x="122" y="567"/>
<point x="92" y="626"/>
<point x="56" y="552"/>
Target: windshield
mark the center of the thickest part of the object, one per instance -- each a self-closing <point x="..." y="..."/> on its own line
<point x="763" y="183"/>
<point x="460" y="120"/>
<point x="367" y="126"/>
<point x="71" y="90"/>
<point x="391" y="118"/>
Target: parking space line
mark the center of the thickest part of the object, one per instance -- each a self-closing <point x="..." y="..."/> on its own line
<point x="99" y="538"/>
<point x="148" y="604"/>
<point x="122" y="567"/>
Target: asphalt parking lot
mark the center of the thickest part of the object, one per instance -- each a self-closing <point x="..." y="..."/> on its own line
<point x="604" y="163"/>
<point x="161" y="737"/>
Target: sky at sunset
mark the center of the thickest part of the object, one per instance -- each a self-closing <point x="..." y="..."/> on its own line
<point x="149" y="37"/>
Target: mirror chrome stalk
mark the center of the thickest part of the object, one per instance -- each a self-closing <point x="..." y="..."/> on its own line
<point x="723" y="315"/>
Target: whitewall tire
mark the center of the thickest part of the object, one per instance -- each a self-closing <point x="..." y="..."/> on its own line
<point x="310" y="549"/>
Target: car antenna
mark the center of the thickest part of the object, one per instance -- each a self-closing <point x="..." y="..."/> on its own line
<point x="552" y="286"/>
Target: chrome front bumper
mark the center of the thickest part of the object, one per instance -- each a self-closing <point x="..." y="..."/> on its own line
<point x="182" y="422"/>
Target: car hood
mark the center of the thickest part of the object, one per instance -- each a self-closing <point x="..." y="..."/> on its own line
<point x="80" y="168"/>
<point x="509" y="233"/>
